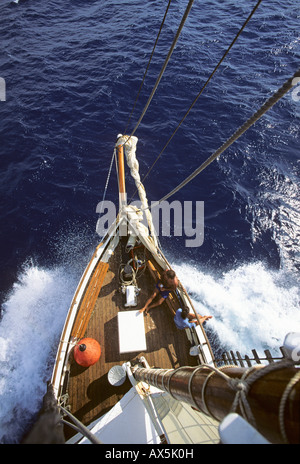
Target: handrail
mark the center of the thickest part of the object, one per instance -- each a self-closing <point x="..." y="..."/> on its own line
<point x="231" y="358"/>
<point x="80" y="427"/>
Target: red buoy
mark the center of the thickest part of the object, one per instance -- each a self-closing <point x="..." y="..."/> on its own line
<point x="87" y="352"/>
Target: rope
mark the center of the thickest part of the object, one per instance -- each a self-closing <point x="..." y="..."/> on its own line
<point x="204" y="86"/>
<point x="283" y="401"/>
<point x="132" y="162"/>
<point x="267" y="105"/>
<point x="140" y="88"/>
<point x="186" y="13"/>
<point x="242" y="386"/>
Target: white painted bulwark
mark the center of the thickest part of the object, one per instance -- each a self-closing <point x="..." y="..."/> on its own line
<point x="132" y="335"/>
<point x="128" y="422"/>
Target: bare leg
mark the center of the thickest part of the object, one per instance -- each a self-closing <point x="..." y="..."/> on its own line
<point x="202" y="319"/>
<point x="158" y="303"/>
<point x="153" y="305"/>
<point x="145" y="308"/>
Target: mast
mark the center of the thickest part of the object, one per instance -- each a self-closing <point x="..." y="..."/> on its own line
<point x="121" y="167"/>
<point x="269" y="394"/>
<point x="123" y="229"/>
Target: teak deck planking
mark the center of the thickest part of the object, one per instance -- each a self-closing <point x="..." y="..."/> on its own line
<point x="90" y="394"/>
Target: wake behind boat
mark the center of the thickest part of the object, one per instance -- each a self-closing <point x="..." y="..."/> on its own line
<point x="106" y="307"/>
<point x="122" y="376"/>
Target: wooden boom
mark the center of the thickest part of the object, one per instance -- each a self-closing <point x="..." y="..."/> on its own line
<point x="211" y="393"/>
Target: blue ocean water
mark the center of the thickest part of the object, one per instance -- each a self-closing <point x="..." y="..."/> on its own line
<point x="72" y="70"/>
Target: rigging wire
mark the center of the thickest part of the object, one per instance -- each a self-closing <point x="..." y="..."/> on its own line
<point x="259" y="113"/>
<point x="139" y="91"/>
<point x="186" y="13"/>
<point x="151" y="56"/>
<point x="204" y="86"/>
<point x="107" y="181"/>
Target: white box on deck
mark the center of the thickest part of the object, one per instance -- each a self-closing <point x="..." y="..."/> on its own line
<point x="132" y="335"/>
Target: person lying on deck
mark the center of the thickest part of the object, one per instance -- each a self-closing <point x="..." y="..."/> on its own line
<point x="183" y="319"/>
<point x="163" y="288"/>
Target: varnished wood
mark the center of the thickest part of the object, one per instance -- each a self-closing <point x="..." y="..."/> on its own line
<point x="63" y="336"/>
<point x="121" y="168"/>
<point x="89" y="300"/>
<point x="264" y="396"/>
<point x="90" y="394"/>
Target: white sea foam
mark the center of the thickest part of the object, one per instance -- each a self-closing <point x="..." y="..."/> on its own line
<point x="252" y="307"/>
<point x="30" y="328"/>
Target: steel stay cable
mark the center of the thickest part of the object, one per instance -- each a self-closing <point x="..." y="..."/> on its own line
<point x="186" y="13"/>
<point x="148" y="65"/>
<point x="183" y="20"/>
<point x="107" y="181"/>
<point x="201" y="91"/>
<point x="263" y="109"/>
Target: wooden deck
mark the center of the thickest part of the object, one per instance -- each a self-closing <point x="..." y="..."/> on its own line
<point x="90" y="394"/>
